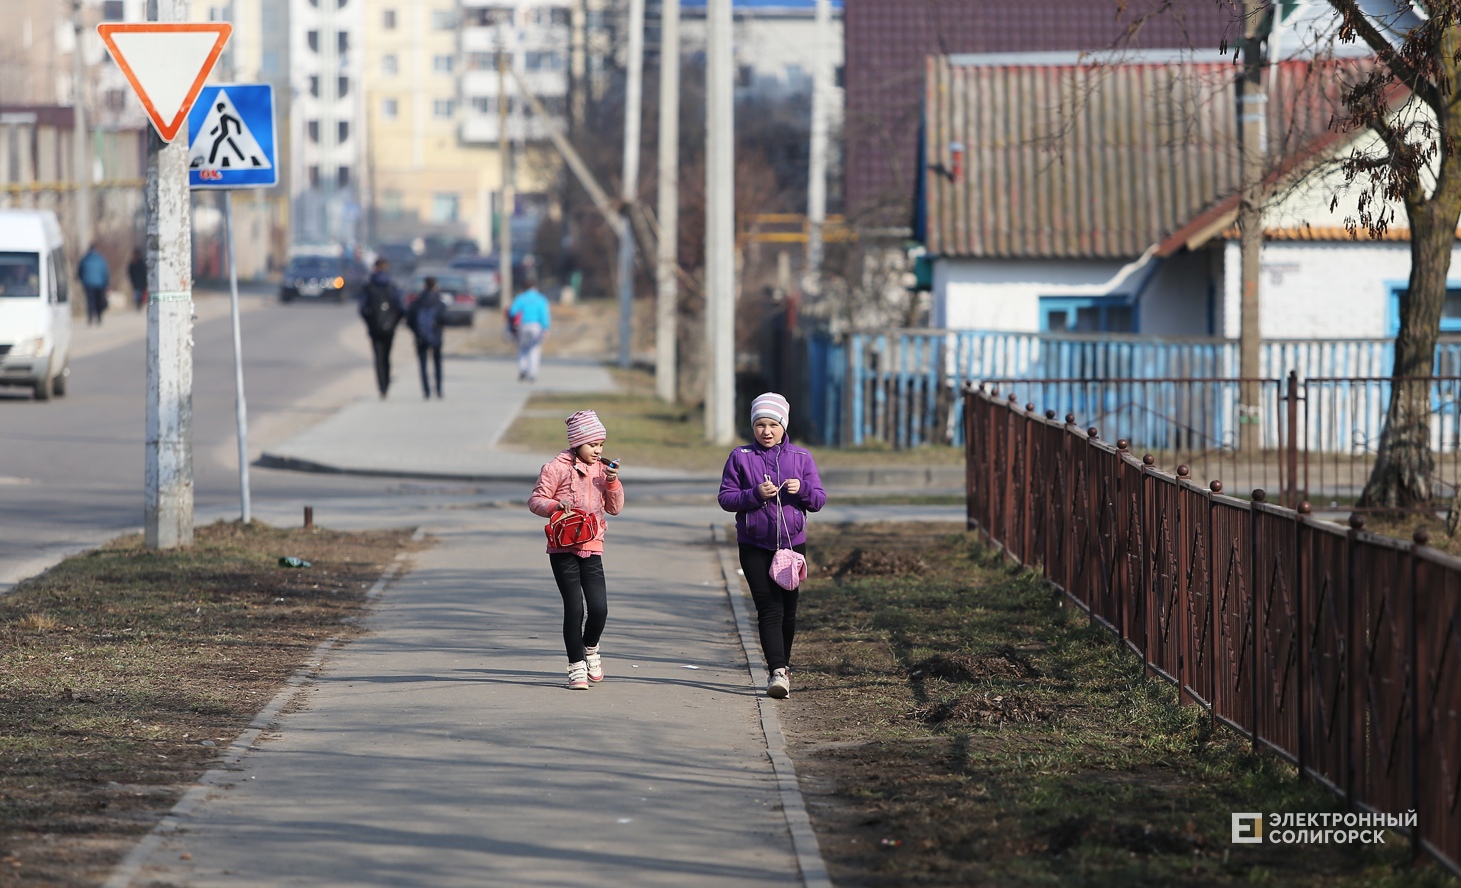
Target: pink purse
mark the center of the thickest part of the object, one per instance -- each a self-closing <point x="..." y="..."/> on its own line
<point x="788" y="567"/>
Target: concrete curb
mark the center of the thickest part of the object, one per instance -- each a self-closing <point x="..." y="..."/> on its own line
<point x="220" y="774"/>
<point x="803" y="838"/>
<point x="295" y="464"/>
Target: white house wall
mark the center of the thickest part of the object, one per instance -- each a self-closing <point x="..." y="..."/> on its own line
<point x="1004" y="294"/>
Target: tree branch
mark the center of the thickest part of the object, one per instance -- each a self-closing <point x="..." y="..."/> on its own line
<point x="1404" y="71"/>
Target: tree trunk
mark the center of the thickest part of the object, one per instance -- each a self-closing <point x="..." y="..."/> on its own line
<point x="1401" y="478"/>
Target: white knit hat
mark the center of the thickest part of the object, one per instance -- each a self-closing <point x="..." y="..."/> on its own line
<point x="771" y="406"/>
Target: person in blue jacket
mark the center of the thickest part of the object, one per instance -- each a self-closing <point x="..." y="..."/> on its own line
<point x="427" y="317"/>
<point x="95" y="277"/>
<point x="771" y="485"/>
<point x="530" y="319"/>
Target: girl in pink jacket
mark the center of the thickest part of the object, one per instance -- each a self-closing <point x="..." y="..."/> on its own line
<point x="578" y="479"/>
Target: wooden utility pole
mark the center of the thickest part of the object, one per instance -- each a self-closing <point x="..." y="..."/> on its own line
<point x="667" y="285"/>
<point x="1253" y="132"/>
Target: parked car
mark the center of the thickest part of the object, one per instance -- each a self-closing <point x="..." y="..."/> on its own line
<point x="320" y="277"/>
<point x="483" y="280"/>
<point x="35" y="312"/>
<point x="461" y="306"/>
<point x="402" y="257"/>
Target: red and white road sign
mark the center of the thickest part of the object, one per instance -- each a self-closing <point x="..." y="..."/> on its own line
<point x="166" y="63"/>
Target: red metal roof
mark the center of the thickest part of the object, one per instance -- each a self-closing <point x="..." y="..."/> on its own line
<point x="1087" y="161"/>
<point x="888" y="41"/>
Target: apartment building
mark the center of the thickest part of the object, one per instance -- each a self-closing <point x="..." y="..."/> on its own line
<point x="326" y="120"/>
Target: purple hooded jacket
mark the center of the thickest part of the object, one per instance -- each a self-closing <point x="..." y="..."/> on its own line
<point x="756" y="525"/>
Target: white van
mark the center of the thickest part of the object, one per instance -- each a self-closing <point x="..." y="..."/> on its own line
<point x="35" y="308"/>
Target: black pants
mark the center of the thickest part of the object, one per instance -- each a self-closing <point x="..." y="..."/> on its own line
<point x="422" y="350"/>
<point x="775" y="606"/>
<point x="96" y="303"/>
<point x="382" y="347"/>
<point x="580" y="582"/>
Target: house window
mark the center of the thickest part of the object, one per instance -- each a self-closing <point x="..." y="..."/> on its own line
<point x="444" y="207"/>
<point x="342" y="42"/>
<point x="390" y="203"/>
<point x="111" y="10"/>
<point x="314" y="176"/>
<point x="342" y="129"/>
<point x="313" y="39"/>
<point x="389" y="109"/>
<point x="342" y="87"/>
<point x="343" y="177"/>
<point x="484" y="104"/>
<point x="443" y="19"/>
<point x="314" y="85"/>
<point x="389" y="65"/>
<point x="560" y="15"/>
<point x="543" y="61"/>
<point x="388" y="19"/>
<point x="443" y="107"/>
<point x="1450" y="309"/>
<point x="312" y="129"/>
<point x="443" y="64"/>
<point x="1086" y="314"/>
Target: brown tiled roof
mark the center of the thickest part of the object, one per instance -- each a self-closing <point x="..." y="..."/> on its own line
<point x="1081" y="161"/>
<point x="888" y="41"/>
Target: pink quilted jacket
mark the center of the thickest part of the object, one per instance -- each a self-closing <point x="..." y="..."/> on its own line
<point x="584" y="487"/>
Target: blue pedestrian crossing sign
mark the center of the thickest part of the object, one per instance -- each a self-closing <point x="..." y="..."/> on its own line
<point x="231" y="140"/>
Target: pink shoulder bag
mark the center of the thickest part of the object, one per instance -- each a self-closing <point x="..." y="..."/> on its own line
<point x="788" y="567"/>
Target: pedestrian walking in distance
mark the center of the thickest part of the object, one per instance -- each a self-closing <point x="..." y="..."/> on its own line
<point x="381" y="309"/>
<point x="771" y="485"/>
<point x="137" y="274"/>
<point x="95" y="277"/>
<point x="579" y="484"/>
<point x="427" y="319"/>
<point x="530" y="317"/>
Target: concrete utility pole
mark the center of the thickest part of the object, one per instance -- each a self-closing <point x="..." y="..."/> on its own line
<point x="633" y="101"/>
<point x="80" y="138"/>
<point x="720" y="216"/>
<point x="506" y="195"/>
<point x="577" y="66"/>
<point x="1253" y="123"/>
<point x="817" y="171"/>
<point x="169" y="432"/>
<point x="667" y="285"/>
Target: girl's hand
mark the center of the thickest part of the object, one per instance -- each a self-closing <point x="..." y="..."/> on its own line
<point x="565" y="506"/>
<point x="793" y="485"/>
<point x="611" y="470"/>
<point x="767" y="489"/>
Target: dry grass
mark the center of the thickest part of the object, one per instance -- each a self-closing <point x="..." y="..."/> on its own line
<point x="124" y="672"/>
<point x="955" y="724"/>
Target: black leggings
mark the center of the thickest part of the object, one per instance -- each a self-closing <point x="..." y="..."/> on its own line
<point x="580" y="581"/>
<point x="775" y="606"/>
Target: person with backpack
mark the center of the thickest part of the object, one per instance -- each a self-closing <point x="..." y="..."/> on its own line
<point x="574" y="491"/>
<point x="95" y="277"/>
<point x="427" y="319"/>
<point x="381" y="309"/>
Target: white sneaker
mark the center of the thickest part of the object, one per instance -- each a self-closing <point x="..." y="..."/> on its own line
<point x="578" y="676"/>
<point x="780" y="684"/>
<point x="595" y="663"/>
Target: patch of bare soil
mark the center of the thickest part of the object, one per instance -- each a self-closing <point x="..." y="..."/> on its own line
<point x="972" y="668"/>
<point x="98" y="736"/>
<point x="984" y="709"/>
<point x="879" y="563"/>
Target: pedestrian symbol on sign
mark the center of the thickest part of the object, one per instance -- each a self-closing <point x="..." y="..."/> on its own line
<point x="224" y="141"/>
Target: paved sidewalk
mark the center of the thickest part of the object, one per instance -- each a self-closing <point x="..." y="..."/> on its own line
<point x="456" y="437"/>
<point x="443" y="750"/>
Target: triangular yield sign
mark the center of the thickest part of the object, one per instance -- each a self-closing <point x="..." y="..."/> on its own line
<point x="166" y="63"/>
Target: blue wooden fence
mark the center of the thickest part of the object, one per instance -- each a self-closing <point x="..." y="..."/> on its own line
<point x="898" y="386"/>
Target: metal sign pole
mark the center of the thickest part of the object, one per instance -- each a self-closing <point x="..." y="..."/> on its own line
<point x="240" y="406"/>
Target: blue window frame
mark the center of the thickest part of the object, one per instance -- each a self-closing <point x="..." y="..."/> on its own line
<point x="1450" y="309"/>
<point x="1087" y="314"/>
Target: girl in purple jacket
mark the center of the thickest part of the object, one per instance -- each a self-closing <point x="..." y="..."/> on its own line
<point x="757" y="477"/>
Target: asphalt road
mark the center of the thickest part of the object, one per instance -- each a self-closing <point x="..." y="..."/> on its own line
<point x="71" y="469"/>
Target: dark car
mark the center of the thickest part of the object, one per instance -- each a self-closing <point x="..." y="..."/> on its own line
<point x="483" y="280"/>
<point x="402" y="257"/>
<point x="319" y="277"/>
<point x="461" y="306"/>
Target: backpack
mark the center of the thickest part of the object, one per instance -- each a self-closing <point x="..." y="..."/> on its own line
<point x="379" y="309"/>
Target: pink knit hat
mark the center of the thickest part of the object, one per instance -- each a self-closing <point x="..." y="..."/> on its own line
<point x="771" y="406"/>
<point x="584" y="427"/>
